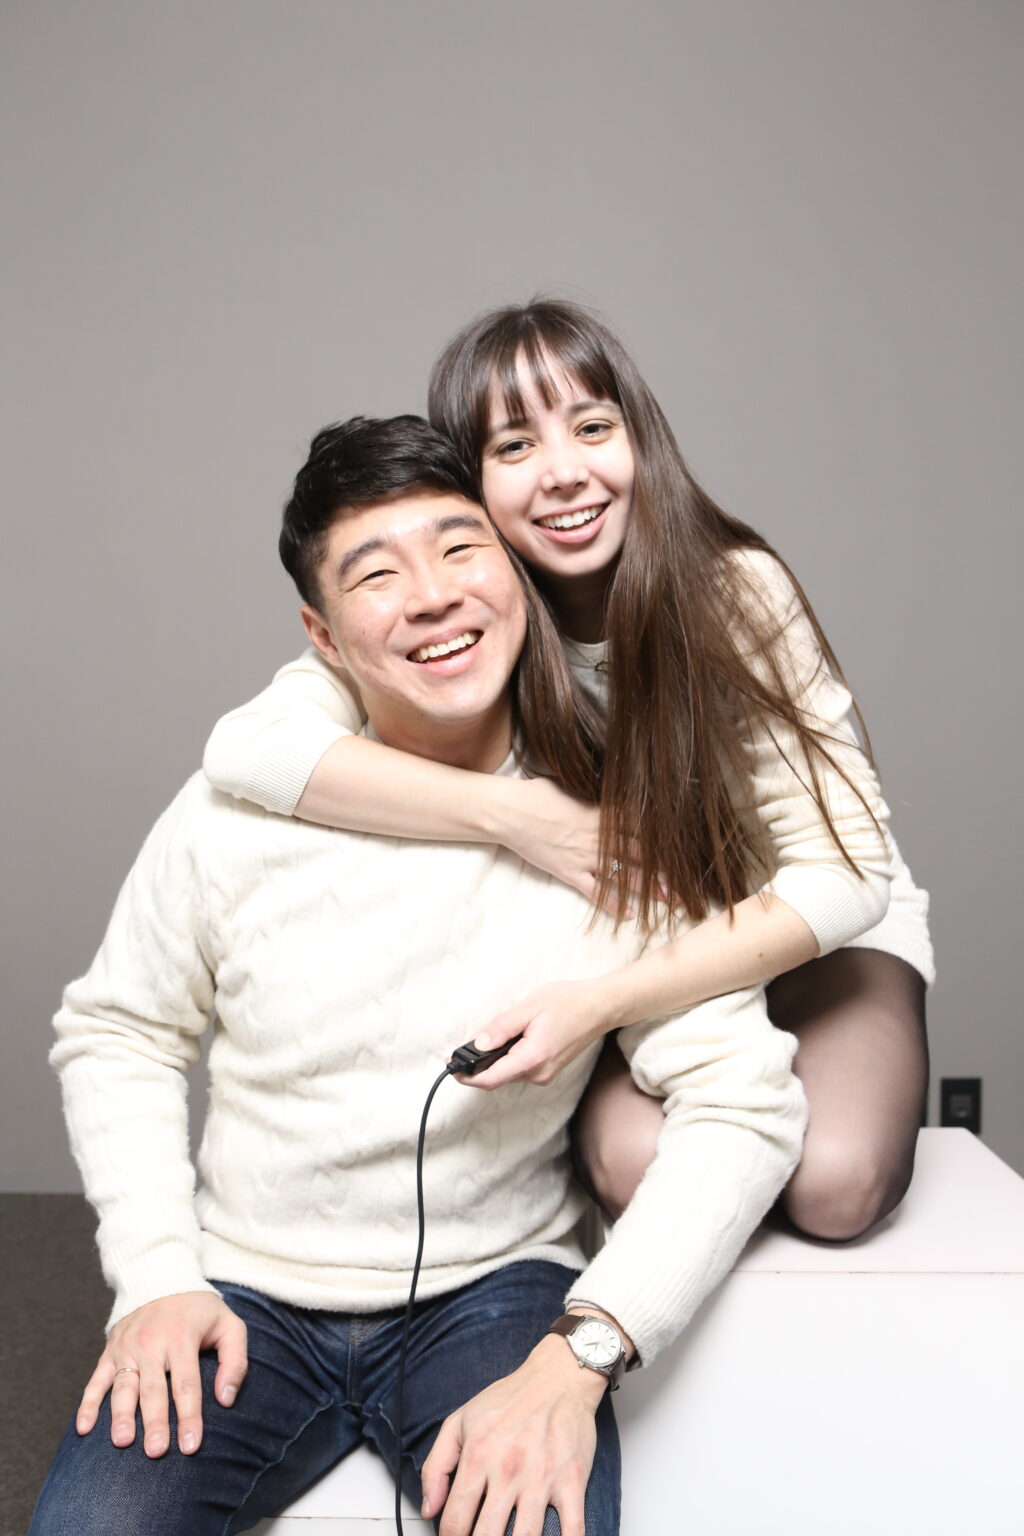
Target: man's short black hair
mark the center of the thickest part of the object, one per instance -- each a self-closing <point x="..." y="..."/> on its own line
<point x="353" y="465"/>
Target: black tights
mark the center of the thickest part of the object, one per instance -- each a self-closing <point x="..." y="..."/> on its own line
<point x="862" y="1056"/>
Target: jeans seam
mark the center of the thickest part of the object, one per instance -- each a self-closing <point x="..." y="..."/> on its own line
<point x="322" y="1408"/>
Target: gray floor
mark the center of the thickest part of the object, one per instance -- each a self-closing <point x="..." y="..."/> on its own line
<point x="55" y="1303"/>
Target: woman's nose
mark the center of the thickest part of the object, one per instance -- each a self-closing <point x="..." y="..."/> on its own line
<point x="563" y="468"/>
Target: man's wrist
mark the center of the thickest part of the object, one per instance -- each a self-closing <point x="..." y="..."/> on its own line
<point x="589" y="1309"/>
<point x="559" y="1365"/>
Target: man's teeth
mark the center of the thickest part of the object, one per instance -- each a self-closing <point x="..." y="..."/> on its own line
<point x="448" y="648"/>
<point x="570" y="519"/>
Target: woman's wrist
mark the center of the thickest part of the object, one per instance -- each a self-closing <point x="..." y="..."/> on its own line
<point x="492" y="808"/>
<point x="619" y="999"/>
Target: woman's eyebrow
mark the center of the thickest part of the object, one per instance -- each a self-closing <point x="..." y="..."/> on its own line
<point x="571" y="408"/>
<point x="513" y="424"/>
<point x="578" y="407"/>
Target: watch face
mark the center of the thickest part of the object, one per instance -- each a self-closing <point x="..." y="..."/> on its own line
<point x="597" y="1343"/>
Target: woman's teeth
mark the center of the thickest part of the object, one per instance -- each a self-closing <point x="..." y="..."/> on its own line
<point x="448" y="648"/>
<point x="570" y="519"/>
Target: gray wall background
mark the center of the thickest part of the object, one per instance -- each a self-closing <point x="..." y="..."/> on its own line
<point x="228" y="223"/>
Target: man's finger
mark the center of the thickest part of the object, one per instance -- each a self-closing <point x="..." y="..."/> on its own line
<point x="231" y="1344"/>
<point x="530" y="1514"/>
<point x="187" y="1391"/>
<point x="495" y="1513"/>
<point x="435" y="1476"/>
<point x="124" y="1400"/>
<point x="96" y="1389"/>
<point x="462" y="1504"/>
<point x="568" y="1501"/>
<point x="153" y="1402"/>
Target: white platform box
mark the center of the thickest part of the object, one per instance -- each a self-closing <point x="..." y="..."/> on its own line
<point x="875" y="1387"/>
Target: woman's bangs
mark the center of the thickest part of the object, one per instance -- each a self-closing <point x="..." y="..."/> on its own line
<point x="551" y="361"/>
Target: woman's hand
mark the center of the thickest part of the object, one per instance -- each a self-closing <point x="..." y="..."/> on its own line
<point x="556" y="1022"/>
<point x="553" y="832"/>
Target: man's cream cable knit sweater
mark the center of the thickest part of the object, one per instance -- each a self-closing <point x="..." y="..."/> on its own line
<point x="341" y="970"/>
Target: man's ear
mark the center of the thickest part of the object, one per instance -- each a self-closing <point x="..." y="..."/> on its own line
<point x="320" y="636"/>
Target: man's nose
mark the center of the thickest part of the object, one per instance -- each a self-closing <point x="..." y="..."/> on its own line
<point x="434" y="592"/>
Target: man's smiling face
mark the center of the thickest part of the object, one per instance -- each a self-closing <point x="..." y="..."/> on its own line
<point x="420" y="604"/>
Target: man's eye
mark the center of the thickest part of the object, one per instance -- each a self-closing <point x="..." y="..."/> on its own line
<point x="373" y="576"/>
<point x="458" y="549"/>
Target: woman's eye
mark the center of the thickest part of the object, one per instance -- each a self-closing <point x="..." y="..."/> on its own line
<point x="594" y="428"/>
<point x="510" y="449"/>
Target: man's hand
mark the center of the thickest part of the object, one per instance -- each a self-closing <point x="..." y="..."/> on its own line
<point x="165" y="1336"/>
<point x="522" y="1444"/>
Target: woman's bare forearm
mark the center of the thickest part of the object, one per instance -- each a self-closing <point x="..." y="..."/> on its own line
<point x="763" y="938"/>
<point x="364" y="786"/>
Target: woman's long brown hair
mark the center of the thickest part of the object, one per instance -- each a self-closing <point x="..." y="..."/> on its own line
<point x="688" y="633"/>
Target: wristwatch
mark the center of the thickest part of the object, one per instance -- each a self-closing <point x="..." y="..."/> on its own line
<point x="596" y="1343"/>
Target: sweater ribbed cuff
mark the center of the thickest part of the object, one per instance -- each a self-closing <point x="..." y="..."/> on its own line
<point x="283" y="772"/>
<point x="836" y="906"/>
<point x="165" y="1268"/>
<point x="915" y="949"/>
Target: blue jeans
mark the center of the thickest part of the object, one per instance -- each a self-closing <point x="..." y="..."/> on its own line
<point x="318" y="1384"/>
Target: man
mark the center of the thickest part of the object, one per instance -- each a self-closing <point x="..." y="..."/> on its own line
<point x="342" y="970"/>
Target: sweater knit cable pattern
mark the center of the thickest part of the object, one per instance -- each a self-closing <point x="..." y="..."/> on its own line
<point x="338" y="971"/>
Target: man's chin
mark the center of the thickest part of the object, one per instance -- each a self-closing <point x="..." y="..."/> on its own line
<point x="464" y="732"/>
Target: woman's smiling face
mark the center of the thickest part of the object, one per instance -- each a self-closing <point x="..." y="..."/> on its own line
<point x="558" y="483"/>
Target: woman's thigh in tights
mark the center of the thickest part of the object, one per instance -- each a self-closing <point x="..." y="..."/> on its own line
<point x="862" y="1056"/>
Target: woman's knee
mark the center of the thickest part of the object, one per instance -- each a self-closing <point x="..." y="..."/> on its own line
<point x="616" y="1151"/>
<point x="839" y="1192"/>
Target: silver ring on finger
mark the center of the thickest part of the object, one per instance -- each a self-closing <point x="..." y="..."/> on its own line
<point x="125" y="1369"/>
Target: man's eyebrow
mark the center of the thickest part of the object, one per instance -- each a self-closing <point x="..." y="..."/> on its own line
<point x="352" y="556"/>
<point x="440" y="525"/>
<point x="461" y="520"/>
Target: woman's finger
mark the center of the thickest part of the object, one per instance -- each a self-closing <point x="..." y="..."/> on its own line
<point x="513" y="1068"/>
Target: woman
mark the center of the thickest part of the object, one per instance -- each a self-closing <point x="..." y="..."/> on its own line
<point x="732" y="777"/>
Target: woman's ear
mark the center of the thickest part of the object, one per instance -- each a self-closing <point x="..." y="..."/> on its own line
<point x="320" y="635"/>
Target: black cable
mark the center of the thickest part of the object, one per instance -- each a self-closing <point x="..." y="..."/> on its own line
<point x="421" y="1213"/>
